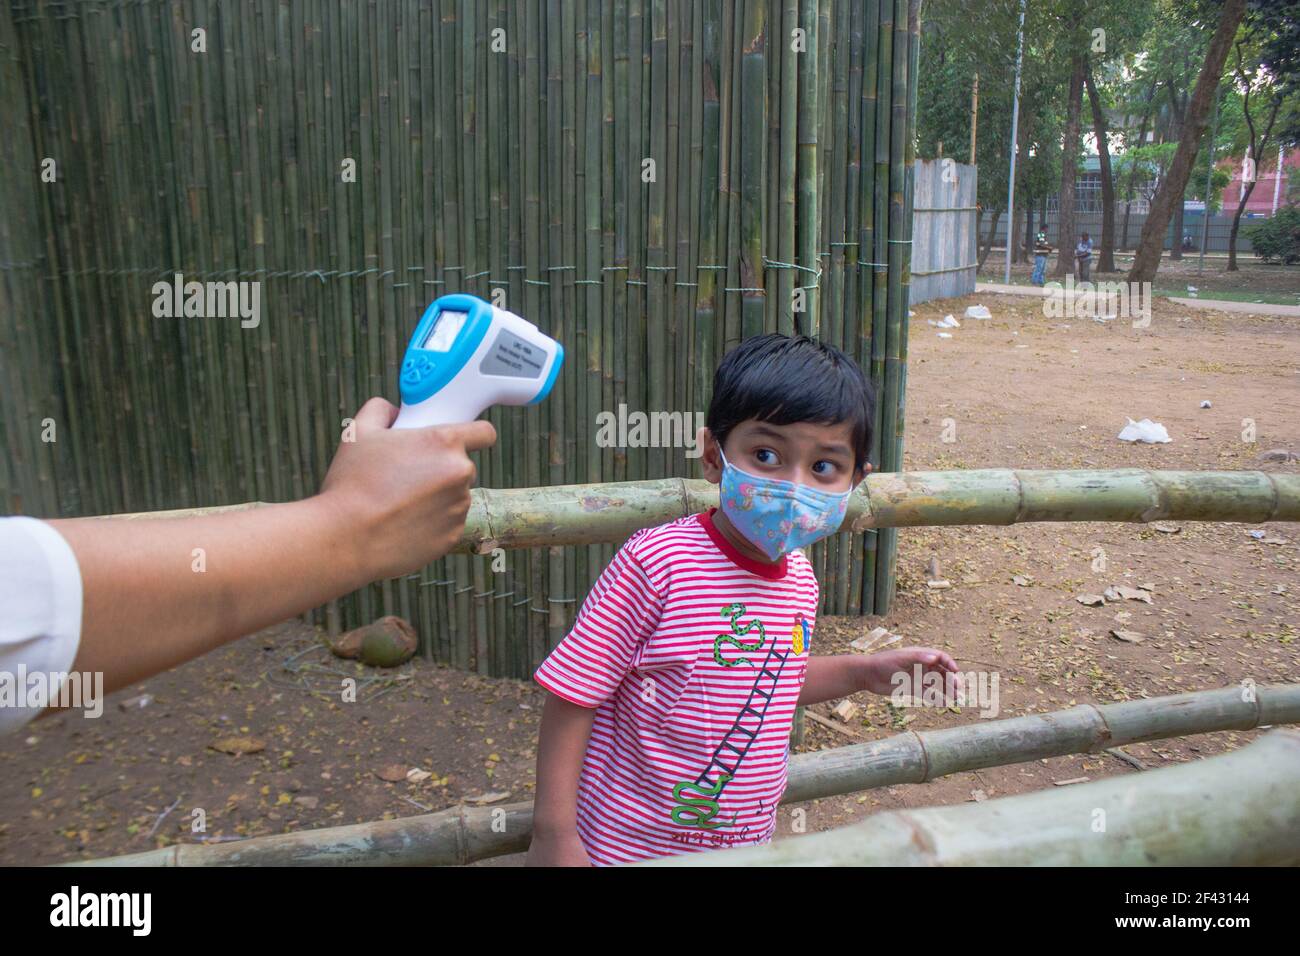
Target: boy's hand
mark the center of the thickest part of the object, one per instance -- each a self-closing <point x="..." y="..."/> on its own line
<point x="882" y="667"/>
<point x="401" y="497"/>
<point x="557" y="849"/>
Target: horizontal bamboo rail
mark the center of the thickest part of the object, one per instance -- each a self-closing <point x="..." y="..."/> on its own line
<point x="611" y="512"/>
<point x="1237" y="809"/>
<point x="466" y="834"/>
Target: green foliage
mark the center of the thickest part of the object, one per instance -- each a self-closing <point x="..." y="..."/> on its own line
<point x="1277" y="239"/>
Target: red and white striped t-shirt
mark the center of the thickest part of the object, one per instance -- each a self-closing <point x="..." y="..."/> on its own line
<point x="693" y="656"/>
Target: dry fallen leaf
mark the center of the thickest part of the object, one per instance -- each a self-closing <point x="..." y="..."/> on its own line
<point x="495" y="796"/>
<point x="238" y="745"/>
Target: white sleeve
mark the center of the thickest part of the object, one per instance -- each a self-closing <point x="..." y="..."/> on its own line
<point x="40" y="610"/>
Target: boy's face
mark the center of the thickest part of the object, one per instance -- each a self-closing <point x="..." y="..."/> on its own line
<point x="819" y="456"/>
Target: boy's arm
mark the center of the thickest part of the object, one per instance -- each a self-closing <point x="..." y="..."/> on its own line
<point x="843" y="674"/>
<point x="832" y="677"/>
<point x="561" y="746"/>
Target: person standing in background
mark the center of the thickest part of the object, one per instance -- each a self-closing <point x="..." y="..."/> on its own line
<point x="1083" y="259"/>
<point x="1041" y="251"/>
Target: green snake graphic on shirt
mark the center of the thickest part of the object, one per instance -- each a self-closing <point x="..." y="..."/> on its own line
<point x="698" y="810"/>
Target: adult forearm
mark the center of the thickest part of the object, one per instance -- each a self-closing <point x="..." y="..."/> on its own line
<point x="159" y="591"/>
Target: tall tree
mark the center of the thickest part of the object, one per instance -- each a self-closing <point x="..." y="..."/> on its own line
<point x="1258" y="138"/>
<point x="1147" y="258"/>
<point x="1070" y="165"/>
<point x="1106" y="258"/>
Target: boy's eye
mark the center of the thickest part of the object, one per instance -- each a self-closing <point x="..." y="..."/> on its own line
<point x="824" y="467"/>
<point x="765" y="456"/>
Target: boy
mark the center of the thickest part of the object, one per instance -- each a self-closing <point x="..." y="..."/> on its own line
<point x="668" y="723"/>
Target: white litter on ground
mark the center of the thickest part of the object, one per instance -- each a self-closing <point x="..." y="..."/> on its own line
<point x="978" y="312"/>
<point x="1144" y="431"/>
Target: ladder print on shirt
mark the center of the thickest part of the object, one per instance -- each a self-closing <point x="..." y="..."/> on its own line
<point x="699" y="810"/>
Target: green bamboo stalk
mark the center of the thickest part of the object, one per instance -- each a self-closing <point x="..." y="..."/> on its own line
<point x="753" y="131"/>
<point x="711" y="217"/>
<point x="856" y="308"/>
<point x="1237" y="809"/>
<point x="464" y="835"/>
<point x="789" y="120"/>
<point x="583" y="514"/>
<point x="883" y="334"/>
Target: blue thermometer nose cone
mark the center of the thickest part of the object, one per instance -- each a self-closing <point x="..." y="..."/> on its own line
<point x="552" y="376"/>
<point x="467" y="355"/>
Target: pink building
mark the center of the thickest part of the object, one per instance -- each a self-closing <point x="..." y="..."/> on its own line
<point x="1261" y="199"/>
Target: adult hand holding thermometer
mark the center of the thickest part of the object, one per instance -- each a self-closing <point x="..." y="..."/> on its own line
<point x="467" y="355"/>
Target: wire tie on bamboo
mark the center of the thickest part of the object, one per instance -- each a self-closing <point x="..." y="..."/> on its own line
<point x="739" y="289"/>
<point x="477" y="275"/>
<point x="774" y="264"/>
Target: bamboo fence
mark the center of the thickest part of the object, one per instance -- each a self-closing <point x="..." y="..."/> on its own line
<point x="466" y="834"/>
<point x="500" y="146"/>
<point x="1238" y="809"/>
<point x="569" y="515"/>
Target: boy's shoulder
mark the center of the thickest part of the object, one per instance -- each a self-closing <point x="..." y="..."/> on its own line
<point x="660" y="542"/>
<point x="682" y="549"/>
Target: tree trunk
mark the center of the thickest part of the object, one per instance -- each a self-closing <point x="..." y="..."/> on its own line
<point x="1069" y="169"/>
<point x="1106" y="258"/>
<point x="1176" y="244"/>
<point x="1236" y="224"/>
<point x="988" y="242"/>
<point x="1132" y="173"/>
<point x="1017" y="242"/>
<point x="1022" y="157"/>
<point x="1029" y="231"/>
<point x="1147" y="258"/>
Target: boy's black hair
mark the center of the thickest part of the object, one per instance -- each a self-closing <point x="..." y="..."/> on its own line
<point x="786" y="379"/>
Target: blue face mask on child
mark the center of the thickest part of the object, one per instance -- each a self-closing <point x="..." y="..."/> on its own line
<point x="778" y="516"/>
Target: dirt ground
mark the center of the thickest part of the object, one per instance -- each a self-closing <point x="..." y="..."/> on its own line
<point x="1020" y="390"/>
<point x="1252" y="281"/>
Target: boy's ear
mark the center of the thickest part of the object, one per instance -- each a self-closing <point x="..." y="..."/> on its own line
<point x="710" y="459"/>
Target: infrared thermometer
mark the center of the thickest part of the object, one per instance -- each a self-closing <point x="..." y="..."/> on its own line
<point x="467" y="355"/>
